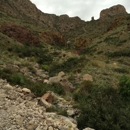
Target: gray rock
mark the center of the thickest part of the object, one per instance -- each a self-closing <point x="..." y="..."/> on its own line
<point x="26" y="90"/>
<point x="38" y="128"/>
<point x="71" y="112"/>
<point x="8" y="86"/>
<point x="88" y="128"/>
<point x="45" y="103"/>
<point x="31" y="127"/>
<point x="61" y="74"/>
<point x="50" y="128"/>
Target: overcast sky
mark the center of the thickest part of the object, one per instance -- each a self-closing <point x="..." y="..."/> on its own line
<point x="84" y="9"/>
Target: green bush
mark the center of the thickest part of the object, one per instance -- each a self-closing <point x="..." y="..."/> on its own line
<point x="40" y="88"/>
<point x="102" y="109"/>
<point x="124" y="87"/>
<point x="121" y="70"/>
<point x="120" y="53"/>
<point x="39" y="53"/>
<point x="18" y="78"/>
<point x="13" y="77"/>
<point x="112" y="40"/>
<point x="70" y="64"/>
<point x="45" y="67"/>
<point x="59" y="111"/>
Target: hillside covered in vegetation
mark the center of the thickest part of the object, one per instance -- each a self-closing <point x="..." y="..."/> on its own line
<point x="86" y="63"/>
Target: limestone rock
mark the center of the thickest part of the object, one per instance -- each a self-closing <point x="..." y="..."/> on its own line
<point x="48" y="97"/>
<point x="66" y="85"/>
<point x="87" y="77"/>
<point x="46" y="81"/>
<point x="8" y="86"/>
<point x="54" y="79"/>
<point x="61" y="74"/>
<point x="26" y="90"/>
<point x="45" y="103"/>
<point x="88" y="128"/>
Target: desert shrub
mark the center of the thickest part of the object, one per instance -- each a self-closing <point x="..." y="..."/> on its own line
<point x="5" y="73"/>
<point x="38" y="52"/>
<point x="112" y="40"/>
<point x="13" y="77"/>
<point x="124" y="37"/>
<point x="85" y="87"/>
<point x="59" y="111"/>
<point x="45" y="67"/>
<point x="124" y="87"/>
<point x="121" y="70"/>
<point x="18" y="78"/>
<point x="57" y="88"/>
<point x="37" y="88"/>
<point x="40" y="88"/>
<point x="70" y="64"/>
<point x="45" y="59"/>
<point x="102" y="109"/>
<point x="125" y="52"/>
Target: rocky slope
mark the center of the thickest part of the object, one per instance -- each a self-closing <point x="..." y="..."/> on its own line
<point x="21" y="110"/>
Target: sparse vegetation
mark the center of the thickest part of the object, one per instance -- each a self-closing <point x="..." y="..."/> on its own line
<point x="103" y="107"/>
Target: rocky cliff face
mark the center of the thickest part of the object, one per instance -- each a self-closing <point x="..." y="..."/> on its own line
<point x="114" y="10"/>
<point x="19" y="33"/>
<point x="24" y="9"/>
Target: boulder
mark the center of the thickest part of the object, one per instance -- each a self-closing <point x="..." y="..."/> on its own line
<point x="88" y="128"/>
<point x="54" y="79"/>
<point x="87" y="77"/>
<point x="66" y="85"/>
<point x="48" y="97"/>
<point x="46" y="81"/>
<point x="61" y="74"/>
<point x="41" y="73"/>
<point x="26" y="90"/>
<point x="8" y="86"/>
<point x="45" y="103"/>
<point x="58" y="78"/>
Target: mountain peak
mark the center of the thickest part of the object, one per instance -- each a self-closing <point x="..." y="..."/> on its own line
<point x="114" y="10"/>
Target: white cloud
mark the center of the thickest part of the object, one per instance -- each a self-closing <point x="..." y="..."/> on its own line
<point x="84" y="9"/>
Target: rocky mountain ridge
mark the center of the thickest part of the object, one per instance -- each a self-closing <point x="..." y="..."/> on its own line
<point x="27" y="10"/>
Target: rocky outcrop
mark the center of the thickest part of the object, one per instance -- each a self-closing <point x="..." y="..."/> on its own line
<point x="27" y="10"/>
<point x="114" y="10"/>
<point x="19" y="33"/>
<point x="67" y="86"/>
<point x="53" y="37"/>
<point x="20" y="111"/>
